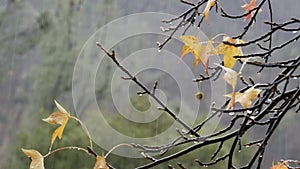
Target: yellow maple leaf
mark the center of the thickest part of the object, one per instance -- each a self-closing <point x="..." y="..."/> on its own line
<point x="245" y="99"/>
<point x="229" y="51"/>
<point x="37" y="160"/>
<point x="209" y="5"/>
<point x="100" y="163"/>
<point x="191" y="44"/>
<point x="200" y="52"/>
<point x="60" y="117"/>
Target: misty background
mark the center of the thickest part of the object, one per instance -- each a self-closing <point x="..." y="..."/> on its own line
<point x="39" y="45"/>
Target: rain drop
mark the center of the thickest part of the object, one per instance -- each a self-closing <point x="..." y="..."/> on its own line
<point x="294" y="31"/>
<point x="159" y="50"/>
<point x="184" y="131"/>
<point x="140" y="94"/>
<point x="247" y="146"/>
<point x="231" y="113"/>
<point x="239" y="151"/>
<point x="249" y="111"/>
<point x="295" y="78"/>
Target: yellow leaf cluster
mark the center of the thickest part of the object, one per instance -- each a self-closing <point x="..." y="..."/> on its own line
<point x="60" y="117"/>
<point x="245" y="99"/>
<point x="202" y="52"/>
<point x="229" y="51"/>
<point x="37" y="160"/>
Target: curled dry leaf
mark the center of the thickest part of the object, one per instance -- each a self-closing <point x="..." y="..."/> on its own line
<point x="200" y="52"/>
<point x="56" y="118"/>
<point x="229" y="51"/>
<point x="209" y="5"/>
<point x="245" y="99"/>
<point x="100" y="163"/>
<point x="60" y="117"/>
<point x="60" y="108"/>
<point x="37" y="160"/>
<point x="230" y="77"/>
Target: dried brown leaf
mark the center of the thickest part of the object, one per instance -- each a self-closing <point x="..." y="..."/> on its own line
<point x="37" y="160"/>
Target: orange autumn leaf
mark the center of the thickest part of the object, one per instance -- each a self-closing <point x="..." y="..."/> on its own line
<point x="229" y="51"/>
<point x="37" y="160"/>
<point x="279" y="166"/>
<point x="60" y="117"/>
<point x="246" y="98"/>
<point x="248" y="7"/>
<point x="100" y="163"/>
<point x="209" y="5"/>
<point x="200" y="52"/>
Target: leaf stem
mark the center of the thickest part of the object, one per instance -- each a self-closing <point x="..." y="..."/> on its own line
<point x="119" y="145"/>
<point x="85" y="128"/>
<point x="66" y="148"/>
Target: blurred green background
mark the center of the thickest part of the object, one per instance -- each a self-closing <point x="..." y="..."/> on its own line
<point x="39" y="44"/>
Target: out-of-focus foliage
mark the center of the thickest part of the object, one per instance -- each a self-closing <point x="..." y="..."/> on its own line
<point x="38" y="49"/>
